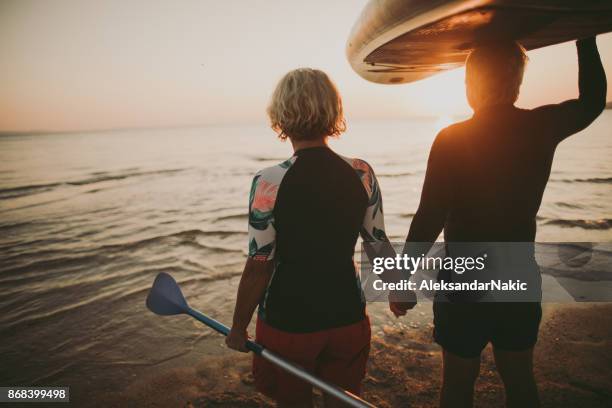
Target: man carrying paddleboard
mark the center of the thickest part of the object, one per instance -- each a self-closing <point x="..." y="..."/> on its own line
<point x="484" y="183"/>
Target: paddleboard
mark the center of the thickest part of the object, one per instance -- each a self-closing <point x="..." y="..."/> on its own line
<point x="400" y="41"/>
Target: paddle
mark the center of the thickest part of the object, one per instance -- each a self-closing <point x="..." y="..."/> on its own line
<point x="165" y="298"/>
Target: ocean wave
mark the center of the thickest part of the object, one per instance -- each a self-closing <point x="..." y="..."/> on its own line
<point x="98" y="177"/>
<point x="45" y="266"/>
<point x="101" y="291"/>
<point x="579" y="274"/>
<point x="393" y="175"/>
<point x="109" y="177"/>
<point x="185" y="237"/>
<point x="222" y="233"/>
<point x="22" y="266"/>
<point x="602" y="224"/>
<point x="267" y="159"/>
<point x="568" y="205"/>
<point x="4" y="227"/>
<point x="20" y="191"/>
<point x="596" y="180"/>
<point x="242" y="216"/>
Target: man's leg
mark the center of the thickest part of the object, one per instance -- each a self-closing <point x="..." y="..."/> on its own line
<point x="516" y="371"/>
<point x="458" y="377"/>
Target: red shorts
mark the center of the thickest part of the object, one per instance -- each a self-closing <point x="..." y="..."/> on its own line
<point x="337" y="355"/>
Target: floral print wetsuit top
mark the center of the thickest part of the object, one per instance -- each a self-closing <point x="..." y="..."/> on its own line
<point x="305" y="214"/>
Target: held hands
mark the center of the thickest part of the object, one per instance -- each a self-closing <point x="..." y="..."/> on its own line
<point x="236" y="340"/>
<point x="400" y="304"/>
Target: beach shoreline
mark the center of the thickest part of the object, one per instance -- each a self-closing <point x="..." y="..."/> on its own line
<point x="572" y="360"/>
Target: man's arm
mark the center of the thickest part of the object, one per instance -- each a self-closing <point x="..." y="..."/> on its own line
<point x="572" y="116"/>
<point x="253" y="283"/>
<point x="430" y="217"/>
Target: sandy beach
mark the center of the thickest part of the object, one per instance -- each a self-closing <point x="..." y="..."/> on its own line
<point x="572" y="360"/>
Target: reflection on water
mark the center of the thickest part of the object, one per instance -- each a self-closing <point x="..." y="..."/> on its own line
<point x="88" y="220"/>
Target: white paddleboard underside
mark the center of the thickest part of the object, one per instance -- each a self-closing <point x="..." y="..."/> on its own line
<point x="400" y="41"/>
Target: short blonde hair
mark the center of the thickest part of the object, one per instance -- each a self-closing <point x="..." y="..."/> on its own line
<point x="494" y="73"/>
<point x="306" y="106"/>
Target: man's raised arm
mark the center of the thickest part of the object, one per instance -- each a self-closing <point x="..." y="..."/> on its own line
<point x="572" y="116"/>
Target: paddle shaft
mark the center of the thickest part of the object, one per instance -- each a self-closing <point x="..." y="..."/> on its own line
<point x="345" y="396"/>
<point x="222" y="329"/>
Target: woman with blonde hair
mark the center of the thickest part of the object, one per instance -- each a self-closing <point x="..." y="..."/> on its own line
<point x="305" y="215"/>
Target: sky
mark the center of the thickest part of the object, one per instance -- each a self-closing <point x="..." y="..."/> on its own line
<point x="86" y="65"/>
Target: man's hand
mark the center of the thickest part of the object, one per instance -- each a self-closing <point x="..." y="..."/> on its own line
<point x="400" y="304"/>
<point x="236" y="340"/>
<point x="400" y="308"/>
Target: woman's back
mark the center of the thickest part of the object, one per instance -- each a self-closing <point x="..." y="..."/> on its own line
<point x="308" y="212"/>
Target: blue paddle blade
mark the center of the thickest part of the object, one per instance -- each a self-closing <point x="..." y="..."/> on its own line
<point x="165" y="297"/>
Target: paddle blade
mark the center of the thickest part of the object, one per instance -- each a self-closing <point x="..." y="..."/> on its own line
<point x="165" y="297"/>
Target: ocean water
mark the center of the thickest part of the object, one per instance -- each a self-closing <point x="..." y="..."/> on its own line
<point x="88" y="219"/>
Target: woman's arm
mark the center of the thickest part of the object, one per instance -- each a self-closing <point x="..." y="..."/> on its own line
<point x="253" y="283"/>
<point x="376" y="244"/>
<point x="260" y="263"/>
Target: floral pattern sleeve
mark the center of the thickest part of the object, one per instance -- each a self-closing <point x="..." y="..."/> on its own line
<point x="373" y="227"/>
<point x="264" y="189"/>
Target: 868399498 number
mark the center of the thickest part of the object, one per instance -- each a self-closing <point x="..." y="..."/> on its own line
<point x="38" y="394"/>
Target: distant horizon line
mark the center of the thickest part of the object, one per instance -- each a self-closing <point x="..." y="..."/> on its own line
<point x="204" y="125"/>
<point x="192" y="126"/>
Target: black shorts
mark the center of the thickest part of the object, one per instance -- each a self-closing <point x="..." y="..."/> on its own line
<point x="465" y="329"/>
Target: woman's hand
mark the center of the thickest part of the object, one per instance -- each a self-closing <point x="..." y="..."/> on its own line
<point x="400" y="304"/>
<point x="253" y="283"/>
<point x="236" y="340"/>
<point x="400" y="308"/>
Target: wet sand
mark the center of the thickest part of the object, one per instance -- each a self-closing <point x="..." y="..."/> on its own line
<point x="573" y="360"/>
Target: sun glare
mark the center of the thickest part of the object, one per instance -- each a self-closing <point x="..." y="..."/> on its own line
<point x="442" y="95"/>
<point x="442" y="122"/>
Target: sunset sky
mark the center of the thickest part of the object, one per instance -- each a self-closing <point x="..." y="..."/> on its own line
<point x="71" y="65"/>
